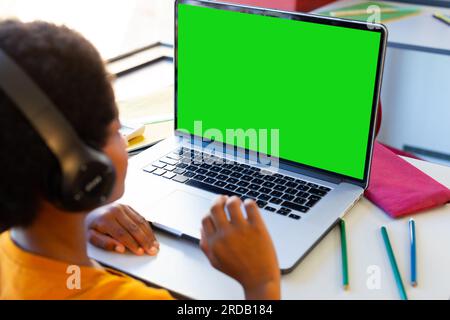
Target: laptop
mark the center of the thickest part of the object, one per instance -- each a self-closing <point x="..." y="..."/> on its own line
<point x="274" y="106"/>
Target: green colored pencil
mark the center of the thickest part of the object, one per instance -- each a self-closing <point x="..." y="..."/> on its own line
<point x="390" y="252"/>
<point x="344" y="256"/>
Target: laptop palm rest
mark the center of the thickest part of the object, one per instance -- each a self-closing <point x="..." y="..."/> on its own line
<point x="180" y="213"/>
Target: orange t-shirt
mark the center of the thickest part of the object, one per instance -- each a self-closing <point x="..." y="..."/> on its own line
<point x="24" y="275"/>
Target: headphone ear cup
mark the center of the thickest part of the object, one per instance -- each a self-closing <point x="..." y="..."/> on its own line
<point x="87" y="185"/>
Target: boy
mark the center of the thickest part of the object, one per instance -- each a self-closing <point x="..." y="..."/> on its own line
<point x="42" y="240"/>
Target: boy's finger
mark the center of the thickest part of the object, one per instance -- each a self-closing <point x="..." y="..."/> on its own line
<point x="142" y="240"/>
<point x="145" y="227"/>
<point x="219" y="218"/>
<point x="104" y="241"/>
<point x="233" y="206"/>
<point x="208" y="227"/>
<point x="252" y="210"/>
<point x="204" y="243"/>
<point x="119" y="233"/>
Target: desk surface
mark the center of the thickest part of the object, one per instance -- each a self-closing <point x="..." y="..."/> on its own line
<point x="182" y="268"/>
<point x="421" y="32"/>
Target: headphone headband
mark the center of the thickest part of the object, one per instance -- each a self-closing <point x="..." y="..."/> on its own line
<point x="87" y="176"/>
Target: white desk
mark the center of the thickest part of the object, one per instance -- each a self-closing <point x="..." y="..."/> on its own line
<point x="182" y="268"/>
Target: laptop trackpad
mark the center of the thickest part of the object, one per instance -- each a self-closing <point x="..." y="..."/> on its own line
<point x="181" y="212"/>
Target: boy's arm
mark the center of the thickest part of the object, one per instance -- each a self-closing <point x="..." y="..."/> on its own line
<point x="241" y="247"/>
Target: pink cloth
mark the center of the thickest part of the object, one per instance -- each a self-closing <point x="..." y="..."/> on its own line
<point x="399" y="188"/>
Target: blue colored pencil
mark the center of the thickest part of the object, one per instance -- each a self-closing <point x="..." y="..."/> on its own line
<point x="412" y="239"/>
<point x="390" y="252"/>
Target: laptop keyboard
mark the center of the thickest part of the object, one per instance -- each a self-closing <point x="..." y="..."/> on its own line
<point x="275" y="192"/>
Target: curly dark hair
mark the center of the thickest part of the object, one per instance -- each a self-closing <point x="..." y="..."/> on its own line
<point x="71" y="72"/>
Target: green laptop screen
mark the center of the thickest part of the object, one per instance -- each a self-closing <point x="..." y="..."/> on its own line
<point x="313" y="84"/>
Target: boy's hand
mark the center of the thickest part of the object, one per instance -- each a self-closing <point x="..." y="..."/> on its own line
<point x="241" y="248"/>
<point x="117" y="227"/>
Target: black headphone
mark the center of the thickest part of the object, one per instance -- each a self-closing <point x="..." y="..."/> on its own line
<point x="86" y="176"/>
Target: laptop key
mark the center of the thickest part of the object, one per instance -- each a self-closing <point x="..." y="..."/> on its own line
<point x="220" y="184"/>
<point x="180" y="178"/>
<point x="149" y="169"/>
<point x="199" y="177"/>
<point x="287" y="197"/>
<point x="312" y="185"/>
<point x="237" y="168"/>
<point x="179" y="171"/>
<point x="201" y="171"/>
<point x="283" y="211"/>
<point x="271" y="209"/>
<point x="173" y="156"/>
<point x="242" y="190"/>
<point x="257" y="181"/>
<point x="291" y="184"/>
<point x="232" y="180"/>
<point x="303" y="188"/>
<point x="291" y="191"/>
<point x="205" y="166"/>
<point x="191" y="168"/>
<point x="247" y="178"/>
<point x="182" y="165"/>
<point x="215" y="169"/>
<point x="294" y="206"/>
<point x="279" y="188"/>
<point x="265" y="190"/>
<point x="253" y="187"/>
<point x="189" y="174"/>
<point x="276" y="193"/>
<point x="317" y="192"/>
<point x="231" y="186"/>
<point x="269" y="177"/>
<point x="261" y="203"/>
<point x="225" y="171"/>
<point x="304" y="195"/>
<point x="246" y="196"/>
<point x="268" y="184"/>
<point x="159" y="164"/>
<point x="209" y="180"/>
<point x="310" y="203"/>
<point x="243" y="183"/>
<point x="236" y="175"/>
<point x="169" y="175"/>
<point x="211" y="174"/>
<point x="314" y="197"/>
<point x="169" y="161"/>
<point x="159" y="172"/>
<point x="253" y="194"/>
<point x="186" y="160"/>
<point x="275" y="200"/>
<point x="326" y="189"/>
<point x="264" y="197"/>
<point x="221" y="177"/>
<point x="299" y="200"/>
<point x="208" y="187"/>
<point x="299" y="181"/>
<point x="279" y="181"/>
<point x="294" y="216"/>
<point x="169" y="167"/>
